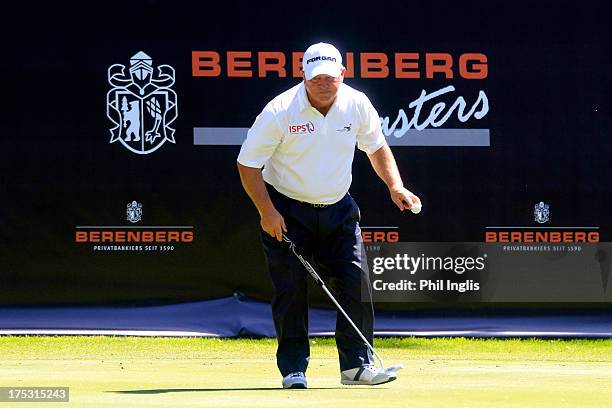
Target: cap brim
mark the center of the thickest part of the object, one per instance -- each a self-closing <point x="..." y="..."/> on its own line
<point x="327" y="68"/>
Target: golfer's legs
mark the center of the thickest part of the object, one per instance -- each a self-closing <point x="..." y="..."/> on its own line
<point x="289" y="307"/>
<point x="289" y="304"/>
<point x="342" y="256"/>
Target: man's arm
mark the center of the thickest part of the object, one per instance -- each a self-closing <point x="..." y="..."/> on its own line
<point x="270" y="219"/>
<point x="384" y="165"/>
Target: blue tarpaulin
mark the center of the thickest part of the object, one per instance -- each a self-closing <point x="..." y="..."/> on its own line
<point x="241" y="317"/>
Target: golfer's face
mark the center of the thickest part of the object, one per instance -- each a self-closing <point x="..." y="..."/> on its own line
<point x="323" y="88"/>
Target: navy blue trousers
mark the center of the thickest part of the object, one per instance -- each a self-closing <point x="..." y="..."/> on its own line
<point x="329" y="238"/>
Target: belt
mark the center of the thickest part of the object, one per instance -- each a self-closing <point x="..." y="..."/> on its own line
<point x="311" y="205"/>
<point x="318" y="206"/>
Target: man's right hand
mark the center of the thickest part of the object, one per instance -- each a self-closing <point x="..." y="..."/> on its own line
<point x="271" y="220"/>
<point x="273" y="223"/>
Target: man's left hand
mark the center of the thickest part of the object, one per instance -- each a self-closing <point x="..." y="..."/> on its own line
<point x="403" y="198"/>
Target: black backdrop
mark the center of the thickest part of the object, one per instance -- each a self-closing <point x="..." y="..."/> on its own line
<point x="548" y="88"/>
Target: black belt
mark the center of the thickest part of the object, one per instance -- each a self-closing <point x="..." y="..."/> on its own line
<point x="317" y="206"/>
<point x="311" y="205"/>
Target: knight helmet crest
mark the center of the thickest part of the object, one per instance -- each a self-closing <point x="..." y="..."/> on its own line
<point x="141" y="104"/>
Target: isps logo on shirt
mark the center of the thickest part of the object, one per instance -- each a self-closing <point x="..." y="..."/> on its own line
<point x="307" y="127"/>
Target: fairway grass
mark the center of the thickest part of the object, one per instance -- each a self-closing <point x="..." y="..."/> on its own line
<point x="193" y="372"/>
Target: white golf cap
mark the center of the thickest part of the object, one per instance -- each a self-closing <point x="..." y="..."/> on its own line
<point x="322" y="58"/>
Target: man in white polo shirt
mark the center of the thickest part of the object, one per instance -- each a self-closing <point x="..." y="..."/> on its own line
<point x="304" y="139"/>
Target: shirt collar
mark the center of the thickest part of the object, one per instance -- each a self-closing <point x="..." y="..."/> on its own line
<point x="303" y="102"/>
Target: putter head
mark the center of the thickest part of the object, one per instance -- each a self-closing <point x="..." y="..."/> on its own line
<point x="393" y="369"/>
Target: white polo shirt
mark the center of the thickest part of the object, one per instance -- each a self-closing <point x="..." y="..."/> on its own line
<point x="305" y="155"/>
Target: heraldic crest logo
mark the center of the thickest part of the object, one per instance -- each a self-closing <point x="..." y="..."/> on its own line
<point x="541" y="212"/>
<point x="134" y="212"/>
<point x="141" y="104"/>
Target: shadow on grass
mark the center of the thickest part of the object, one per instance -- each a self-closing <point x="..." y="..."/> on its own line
<point x="169" y="390"/>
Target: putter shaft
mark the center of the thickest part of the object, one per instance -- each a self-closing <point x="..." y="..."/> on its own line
<point x="321" y="283"/>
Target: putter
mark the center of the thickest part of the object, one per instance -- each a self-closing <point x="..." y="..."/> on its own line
<point x="320" y="282"/>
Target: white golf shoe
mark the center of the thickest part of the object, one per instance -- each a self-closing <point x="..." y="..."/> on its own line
<point x="368" y="375"/>
<point x="295" y="380"/>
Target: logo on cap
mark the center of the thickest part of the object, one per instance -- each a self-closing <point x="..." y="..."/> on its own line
<point x="321" y="58"/>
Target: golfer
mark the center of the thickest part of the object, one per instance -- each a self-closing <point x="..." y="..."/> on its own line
<point x="304" y="139"/>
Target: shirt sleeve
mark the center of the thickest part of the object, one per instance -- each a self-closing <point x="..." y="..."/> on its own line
<point x="370" y="137"/>
<point x="261" y="141"/>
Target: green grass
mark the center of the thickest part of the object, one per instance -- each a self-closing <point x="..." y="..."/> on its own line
<point x="192" y="372"/>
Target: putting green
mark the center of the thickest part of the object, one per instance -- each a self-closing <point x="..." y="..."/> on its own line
<point x="164" y="372"/>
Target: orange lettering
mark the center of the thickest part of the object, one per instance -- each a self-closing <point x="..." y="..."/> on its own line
<point x="350" y="66"/>
<point x="480" y="70"/>
<point x="407" y="69"/>
<point x="374" y="65"/>
<point x="277" y="66"/>
<point x="445" y="67"/>
<point x="393" y="236"/>
<point x="541" y="237"/>
<point x="580" y="237"/>
<point x="234" y="64"/>
<point x="205" y="64"/>
<point x="490" y="236"/>
<point x="379" y="236"/>
<point x="297" y="64"/>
